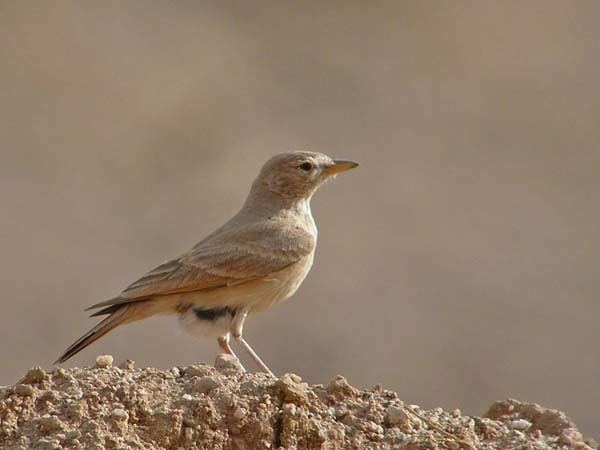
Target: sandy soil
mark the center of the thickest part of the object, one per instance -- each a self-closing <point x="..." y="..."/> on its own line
<point x="205" y="407"/>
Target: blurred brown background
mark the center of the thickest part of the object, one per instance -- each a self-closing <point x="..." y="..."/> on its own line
<point x="458" y="265"/>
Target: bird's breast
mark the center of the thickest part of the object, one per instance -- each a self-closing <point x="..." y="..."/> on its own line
<point x="284" y="283"/>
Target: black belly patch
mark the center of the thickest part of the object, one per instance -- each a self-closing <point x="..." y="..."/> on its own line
<point x="213" y="314"/>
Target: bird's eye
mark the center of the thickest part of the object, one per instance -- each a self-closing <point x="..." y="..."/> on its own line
<point x="306" y="166"/>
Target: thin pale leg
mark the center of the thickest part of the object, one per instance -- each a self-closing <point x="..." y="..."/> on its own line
<point x="237" y="331"/>
<point x="259" y="362"/>
<point x="224" y="344"/>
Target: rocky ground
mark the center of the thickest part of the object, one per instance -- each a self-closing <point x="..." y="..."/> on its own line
<point x="205" y="407"/>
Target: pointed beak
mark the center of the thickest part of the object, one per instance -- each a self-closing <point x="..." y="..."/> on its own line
<point x="339" y="166"/>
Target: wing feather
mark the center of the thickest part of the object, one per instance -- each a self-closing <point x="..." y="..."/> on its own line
<point x="227" y="258"/>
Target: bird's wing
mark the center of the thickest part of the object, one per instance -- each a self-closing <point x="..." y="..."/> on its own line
<point x="229" y="257"/>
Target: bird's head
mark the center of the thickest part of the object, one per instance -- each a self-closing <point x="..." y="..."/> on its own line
<point x="297" y="175"/>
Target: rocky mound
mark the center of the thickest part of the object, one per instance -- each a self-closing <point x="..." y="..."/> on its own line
<point x="204" y="407"/>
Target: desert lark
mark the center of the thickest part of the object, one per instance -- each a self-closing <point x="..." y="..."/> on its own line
<point x="254" y="261"/>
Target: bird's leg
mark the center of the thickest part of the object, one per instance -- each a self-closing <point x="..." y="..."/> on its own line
<point x="237" y="329"/>
<point x="224" y="344"/>
<point x="259" y="362"/>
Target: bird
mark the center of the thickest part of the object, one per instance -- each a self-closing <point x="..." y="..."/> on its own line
<point x="254" y="261"/>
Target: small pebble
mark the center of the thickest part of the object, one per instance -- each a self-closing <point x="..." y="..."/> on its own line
<point x="72" y="435"/>
<point x="340" y="386"/>
<point x="289" y="408"/>
<point x="206" y="384"/>
<point x="24" y="390"/>
<point x="119" y="413"/>
<point x="226" y="363"/>
<point x="292" y="389"/>
<point x="104" y="361"/>
<point x="239" y="413"/>
<point x="396" y="416"/>
<point x="187" y="397"/>
<point x="49" y="424"/>
<point x="537" y="434"/>
<point x="374" y="428"/>
<point x="520" y="424"/>
<point x="76" y="394"/>
<point x="200" y="370"/>
<point x="35" y="375"/>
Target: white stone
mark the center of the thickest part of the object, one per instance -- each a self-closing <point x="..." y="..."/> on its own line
<point x="520" y="424"/>
<point x="104" y="360"/>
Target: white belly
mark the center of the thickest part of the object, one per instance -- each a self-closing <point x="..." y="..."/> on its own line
<point x="197" y="327"/>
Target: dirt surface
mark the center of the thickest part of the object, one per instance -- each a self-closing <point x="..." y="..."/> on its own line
<point x="205" y="407"/>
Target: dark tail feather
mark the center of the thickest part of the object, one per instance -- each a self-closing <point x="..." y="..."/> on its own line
<point x="105" y="311"/>
<point x="117" y="317"/>
<point x="117" y="301"/>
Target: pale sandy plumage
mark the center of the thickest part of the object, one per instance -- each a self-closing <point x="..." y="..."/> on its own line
<point x="257" y="259"/>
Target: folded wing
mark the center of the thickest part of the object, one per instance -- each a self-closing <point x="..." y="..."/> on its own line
<point x="225" y="258"/>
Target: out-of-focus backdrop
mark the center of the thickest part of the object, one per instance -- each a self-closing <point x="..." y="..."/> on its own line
<point x="458" y="265"/>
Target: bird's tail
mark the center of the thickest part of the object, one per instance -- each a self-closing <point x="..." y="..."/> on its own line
<point x="118" y="315"/>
